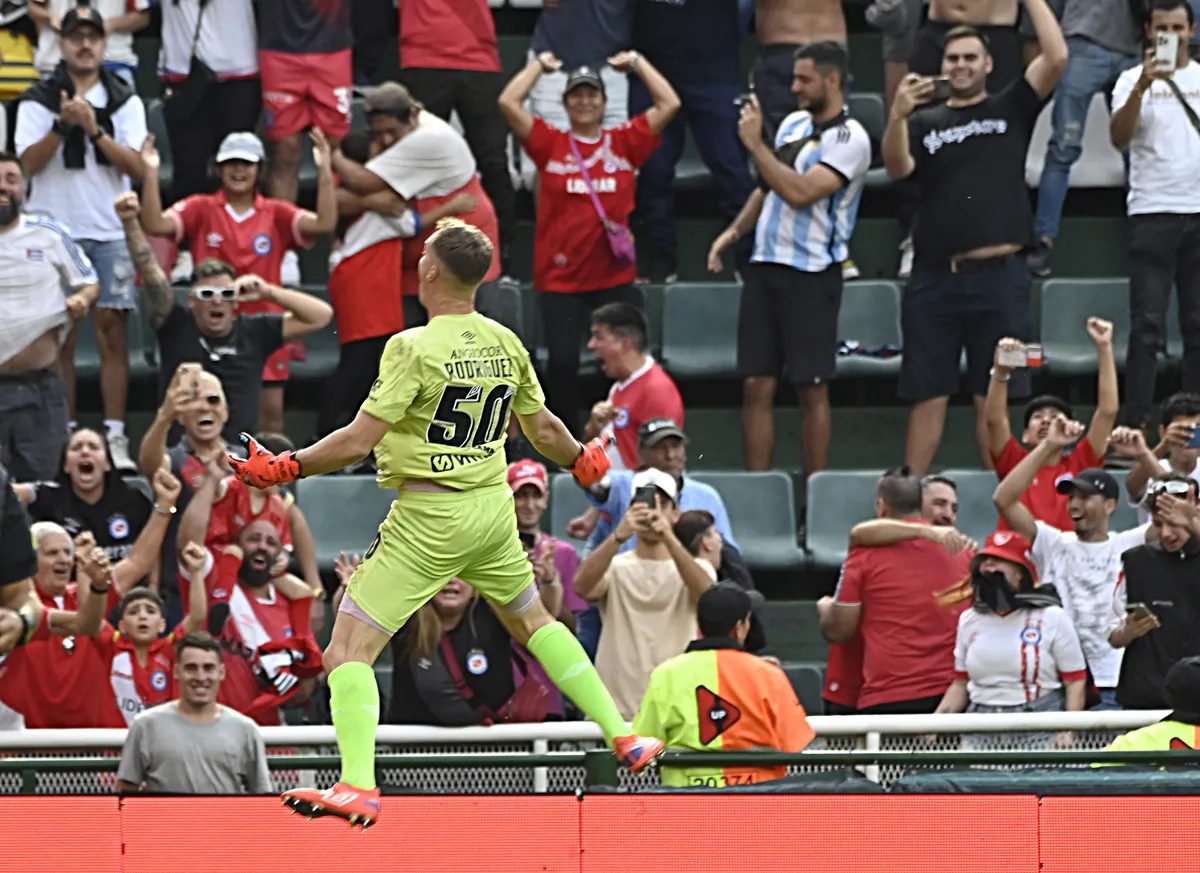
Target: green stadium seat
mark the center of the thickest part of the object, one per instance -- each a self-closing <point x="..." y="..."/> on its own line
<point x="157" y="125"/>
<point x="762" y="512"/>
<point x="870" y="314"/>
<point x="977" y="516"/>
<point x="344" y="513"/>
<point x="867" y="108"/>
<point x="837" y="500"/>
<point x="87" y="353"/>
<point x="1126" y="516"/>
<point x="808" y="680"/>
<point x="567" y="501"/>
<point x="1066" y="306"/>
<point x="700" y="330"/>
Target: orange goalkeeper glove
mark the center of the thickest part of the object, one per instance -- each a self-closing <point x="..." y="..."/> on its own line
<point x="261" y="468"/>
<point x="593" y="463"/>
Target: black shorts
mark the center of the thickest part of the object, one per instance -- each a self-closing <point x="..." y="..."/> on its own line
<point x="1004" y="43"/>
<point x="942" y="313"/>
<point x="787" y="323"/>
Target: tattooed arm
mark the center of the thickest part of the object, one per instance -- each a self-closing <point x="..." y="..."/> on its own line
<point x="156" y="287"/>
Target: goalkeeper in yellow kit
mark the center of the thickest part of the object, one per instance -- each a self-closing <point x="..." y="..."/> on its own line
<point x="437" y="418"/>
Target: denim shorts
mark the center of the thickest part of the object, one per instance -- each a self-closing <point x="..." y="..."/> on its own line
<point x="113" y="265"/>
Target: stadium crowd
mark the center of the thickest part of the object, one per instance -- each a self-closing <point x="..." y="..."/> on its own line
<point x="203" y="594"/>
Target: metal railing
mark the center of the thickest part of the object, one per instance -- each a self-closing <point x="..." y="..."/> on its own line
<point x="565" y="756"/>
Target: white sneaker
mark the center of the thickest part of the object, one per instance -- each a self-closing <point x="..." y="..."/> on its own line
<point x="289" y="270"/>
<point x="118" y="446"/>
<point x="182" y="271"/>
<point x="850" y="271"/>
<point x="906" y="259"/>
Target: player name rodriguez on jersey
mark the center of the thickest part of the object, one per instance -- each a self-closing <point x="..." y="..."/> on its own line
<point x="448" y="389"/>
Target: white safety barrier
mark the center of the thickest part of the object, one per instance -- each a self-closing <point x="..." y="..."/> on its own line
<point x="868" y="733"/>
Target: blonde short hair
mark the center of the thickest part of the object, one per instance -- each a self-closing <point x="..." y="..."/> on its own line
<point x="463" y="249"/>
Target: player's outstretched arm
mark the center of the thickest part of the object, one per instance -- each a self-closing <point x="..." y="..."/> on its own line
<point x="343" y="447"/>
<point x="550" y="436"/>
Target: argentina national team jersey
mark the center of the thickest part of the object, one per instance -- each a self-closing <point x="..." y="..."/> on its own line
<point x="812" y="238"/>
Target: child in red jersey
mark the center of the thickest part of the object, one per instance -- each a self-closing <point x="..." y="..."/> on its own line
<point x="140" y="659"/>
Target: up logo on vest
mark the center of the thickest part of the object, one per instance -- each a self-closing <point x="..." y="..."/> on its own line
<point x="1031" y="636"/>
<point x="158" y="681"/>
<point x="118" y="527"/>
<point x="262" y="244"/>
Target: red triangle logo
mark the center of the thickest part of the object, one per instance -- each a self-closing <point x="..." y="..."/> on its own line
<point x="1177" y="744"/>
<point x="717" y="715"/>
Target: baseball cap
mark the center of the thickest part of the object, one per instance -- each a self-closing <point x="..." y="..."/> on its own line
<point x="724" y="605"/>
<point x="1091" y="481"/>
<point x="1047" y="401"/>
<point x="584" y="76"/>
<point x="79" y="17"/>
<point x="241" y="146"/>
<point x="654" y="431"/>
<point x="657" y="478"/>
<point x="522" y="473"/>
<point x="1182" y="687"/>
<point x="1011" y="547"/>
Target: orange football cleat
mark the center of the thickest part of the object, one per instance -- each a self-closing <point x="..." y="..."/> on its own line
<point x="359" y="806"/>
<point x="637" y="753"/>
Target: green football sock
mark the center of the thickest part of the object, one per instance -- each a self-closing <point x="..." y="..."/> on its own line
<point x="568" y="666"/>
<point x="354" y="702"/>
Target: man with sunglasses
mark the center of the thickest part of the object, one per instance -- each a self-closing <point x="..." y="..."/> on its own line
<point x="208" y="329"/>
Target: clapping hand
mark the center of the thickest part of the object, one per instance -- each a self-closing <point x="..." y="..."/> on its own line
<point x="150" y="157"/>
<point x="1064" y="432"/>
<point x="321" y="149"/>
<point x="1128" y="442"/>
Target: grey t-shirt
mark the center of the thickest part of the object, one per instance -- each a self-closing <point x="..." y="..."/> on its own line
<point x="168" y="752"/>
<point x="1108" y="23"/>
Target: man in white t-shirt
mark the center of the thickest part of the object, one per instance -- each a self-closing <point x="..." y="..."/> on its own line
<point x="647" y="596"/>
<point x="1083" y="566"/>
<point x="1180" y="420"/>
<point x="1155" y="117"/>
<point x="421" y="162"/>
<point x="122" y="19"/>
<point x="81" y="153"/>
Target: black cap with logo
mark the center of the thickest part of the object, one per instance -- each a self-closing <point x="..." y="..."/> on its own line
<point x="1091" y="481"/>
<point x="79" y="17"/>
<point x="584" y="76"/>
<point x="654" y="431"/>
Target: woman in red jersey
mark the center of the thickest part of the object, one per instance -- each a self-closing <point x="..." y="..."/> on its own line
<point x="583" y="254"/>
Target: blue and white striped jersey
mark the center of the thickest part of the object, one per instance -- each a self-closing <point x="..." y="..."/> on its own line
<point x="813" y="238"/>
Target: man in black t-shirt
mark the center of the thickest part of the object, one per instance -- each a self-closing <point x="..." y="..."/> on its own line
<point x="20" y="609"/>
<point x="970" y="285"/>
<point x="209" y="331"/>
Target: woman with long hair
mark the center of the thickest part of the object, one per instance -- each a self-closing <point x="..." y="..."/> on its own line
<point x="88" y="494"/>
<point x="454" y="664"/>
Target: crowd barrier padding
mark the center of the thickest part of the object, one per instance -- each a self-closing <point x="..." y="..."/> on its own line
<point x="612" y="834"/>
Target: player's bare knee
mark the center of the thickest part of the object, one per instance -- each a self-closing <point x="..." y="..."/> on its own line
<point x="524" y="615"/>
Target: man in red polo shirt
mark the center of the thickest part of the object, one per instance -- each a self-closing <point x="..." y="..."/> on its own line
<point x="252" y="233"/>
<point x="1042" y="498"/>
<point x="642" y="392"/>
<point x="887" y="594"/>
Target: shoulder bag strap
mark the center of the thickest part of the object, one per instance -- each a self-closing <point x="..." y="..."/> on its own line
<point x="199" y="24"/>
<point x="460" y="681"/>
<point x="587" y="179"/>
<point x="1187" y="107"/>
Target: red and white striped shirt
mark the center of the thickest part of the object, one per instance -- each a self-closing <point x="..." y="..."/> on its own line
<point x="1013" y="659"/>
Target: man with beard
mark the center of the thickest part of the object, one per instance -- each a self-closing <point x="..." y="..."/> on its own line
<point x="37" y="259"/>
<point x="803" y="215"/>
<point x="1084" y="566"/>
<point x="266" y="638"/>
<point x="78" y="135"/>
